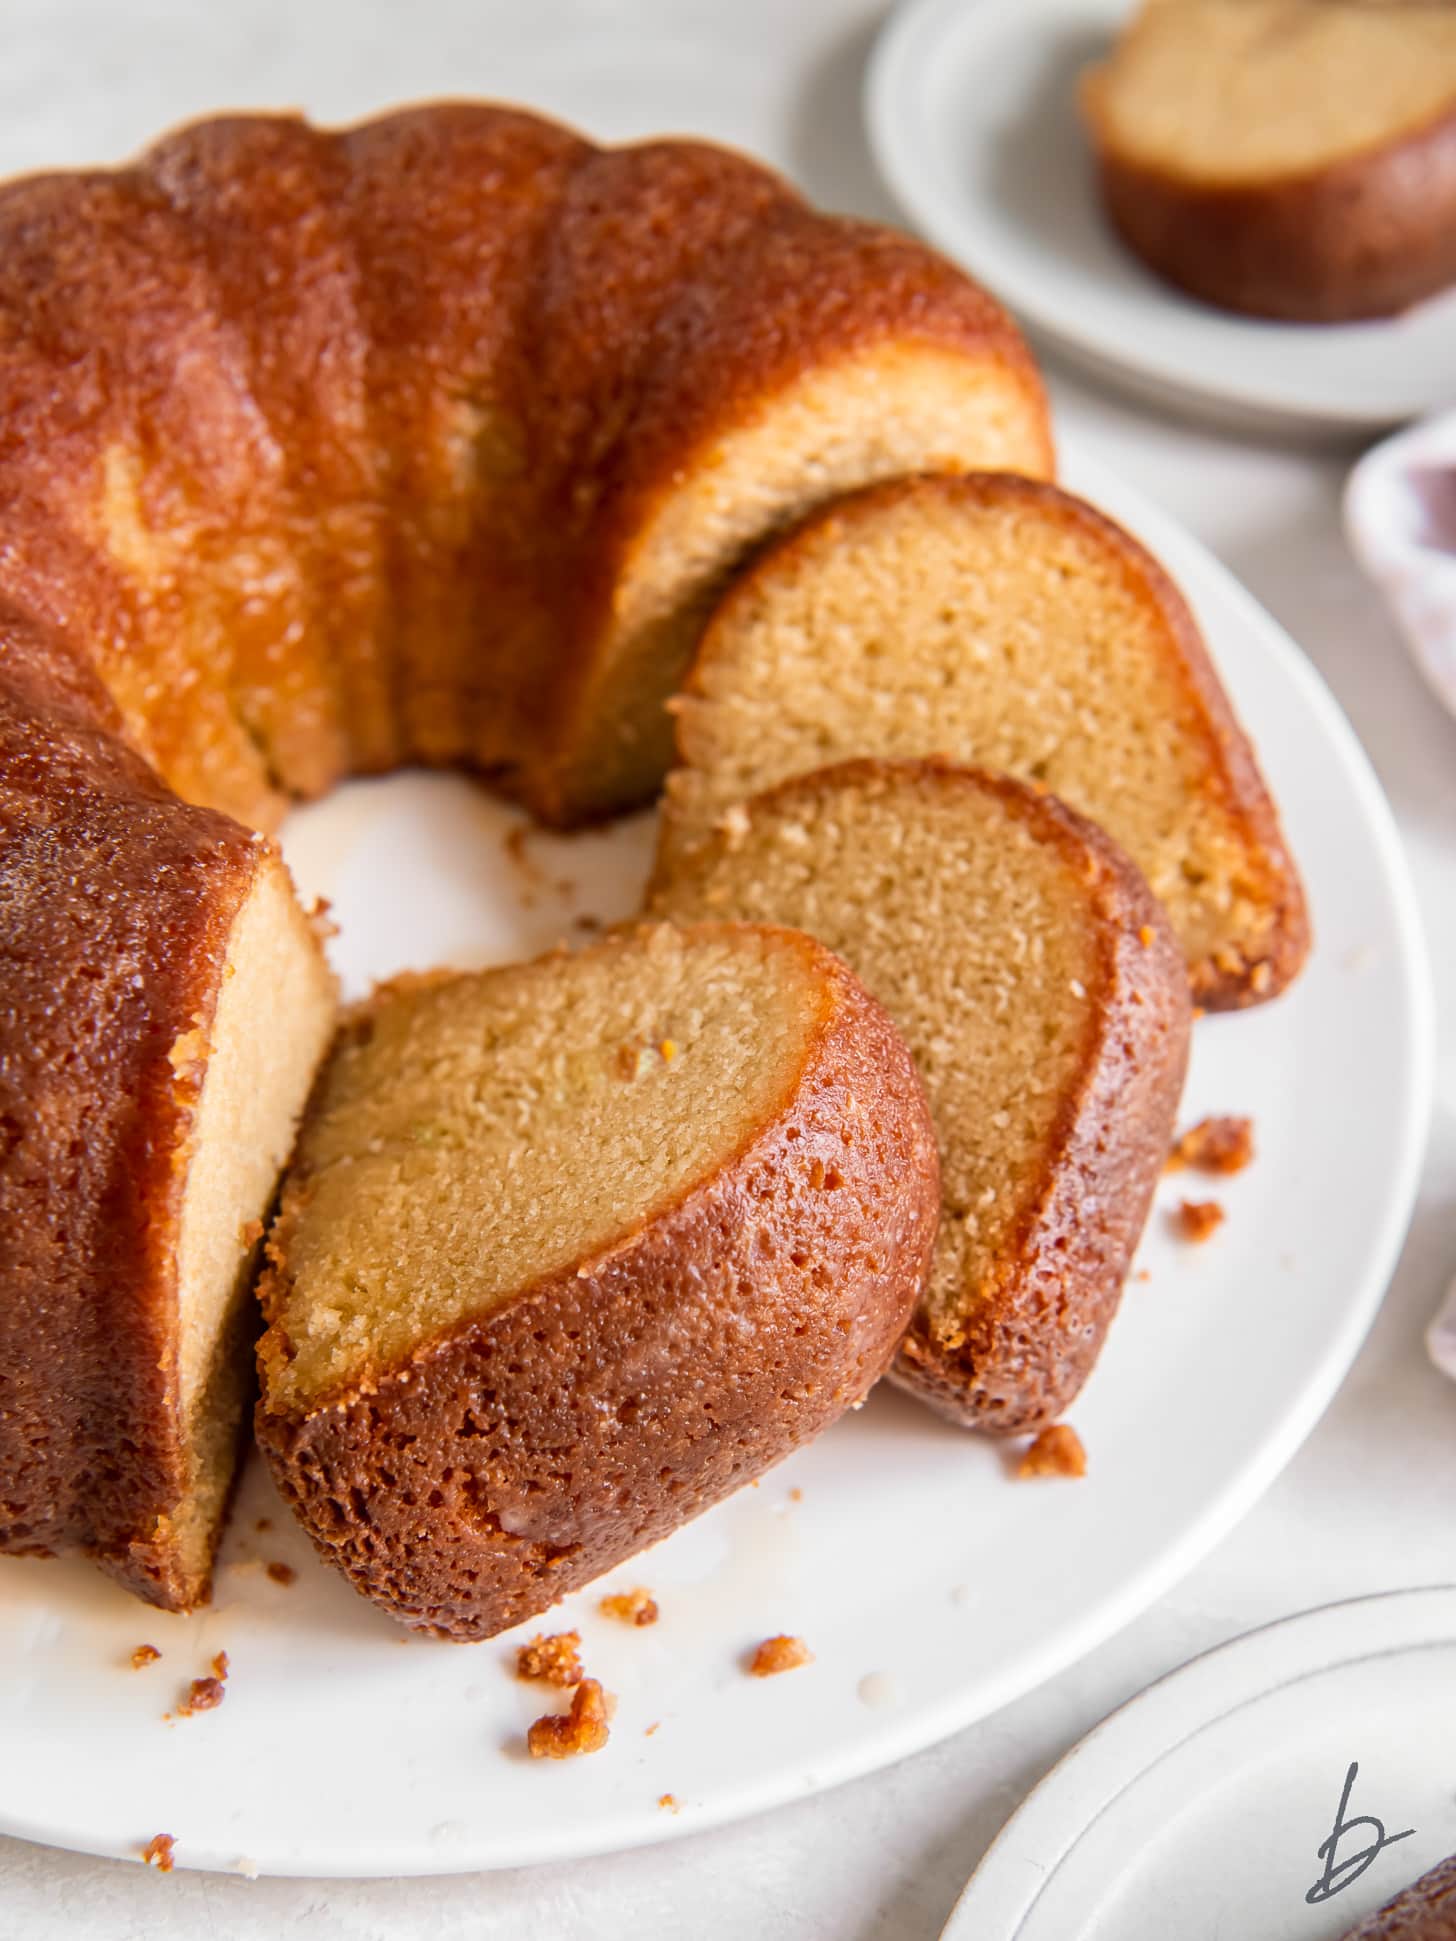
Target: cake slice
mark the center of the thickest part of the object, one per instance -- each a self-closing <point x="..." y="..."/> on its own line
<point x="1289" y="158"/>
<point x="167" y="1003"/>
<point x="1424" y="1912"/>
<point x="1044" y="998"/>
<point x="1004" y="623"/>
<point x="571" y="1249"/>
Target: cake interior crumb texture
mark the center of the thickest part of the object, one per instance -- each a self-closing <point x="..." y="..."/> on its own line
<point x="827" y="432"/>
<point x="979" y="937"/>
<point x="1001" y="624"/>
<point x="271" y="1024"/>
<point x="472" y="1136"/>
<point x="1237" y="91"/>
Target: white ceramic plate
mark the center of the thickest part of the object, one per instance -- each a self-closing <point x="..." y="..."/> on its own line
<point x="930" y="1586"/>
<point x="1224" y="1797"/>
<point x="972" y="116"/>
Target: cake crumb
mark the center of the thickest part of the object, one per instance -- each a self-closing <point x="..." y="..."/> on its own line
<point x="263" y="1525"/>
<point x="1220" y="1144"/>
<point x="220" y="1666"/>
<point x="1056" y="1451"/>
<point x="631" y="1607"/>
<point x="655" y="1726"/>
<point x="779" y="1654"/>
<point x="633" y="1059"/>
<point x="588" y="923"/>
<point x="1142" y="1276"/>
<point x="145" y="1654"/>
<point x="1199" y="1219"/>
<point x="249" y="1234"/>
<point x="203" y="1695"/>
<point x="552" y="1660"/>
<point x="670" y="1803"/>
<point x="283" y="1574"/>
<point x="796" y="1495"/>
<point x="158" y="1852"/>
<point x="566" y="1735"/>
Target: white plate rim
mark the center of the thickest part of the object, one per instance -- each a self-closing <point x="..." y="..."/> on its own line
<point x="907" y="43"/>
<point x="1087" y="1781"/>
<point x="888" y="1737"/>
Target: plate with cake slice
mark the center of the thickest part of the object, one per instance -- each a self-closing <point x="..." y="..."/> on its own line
<point x="557" y="1304"/>
<point x="1246" y="204"/>
<point x="905" y="1577"/>
<point x="1296" y="1784"/>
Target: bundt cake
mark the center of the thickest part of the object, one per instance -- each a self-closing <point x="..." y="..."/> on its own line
<point x="165" y="1003"/>
<point x="1002" y="622"/>
<point x="1045" y="1000"/>
<point x="1424" y="1912"/>
<point x="424" y="441"/>
<point x="569" y="1250"/>
<point x="1289" y="158"/>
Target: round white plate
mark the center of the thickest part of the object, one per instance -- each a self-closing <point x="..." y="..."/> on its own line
<point x="1283" y="1786"/>
<point x="930" y="1586"/>
<point x="973" y="118"/>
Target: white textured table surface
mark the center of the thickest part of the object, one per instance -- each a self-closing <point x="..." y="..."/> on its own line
<point x="1365" y="1507"/>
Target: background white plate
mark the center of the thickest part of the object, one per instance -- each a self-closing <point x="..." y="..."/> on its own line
<point x="972" y="116"/>
<point x="931" y="1588"/>
<point x="1199" y="1810"/>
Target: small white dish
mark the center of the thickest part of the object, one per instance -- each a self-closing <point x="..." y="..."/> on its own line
<point x="1243" y="1794"/>
<point x="973" y="120"/>
<point x="931" y="1588"/>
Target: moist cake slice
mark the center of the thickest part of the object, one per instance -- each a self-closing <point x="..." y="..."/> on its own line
<point x="998" y="621"/>
<point x="571" y="1249"/>
<point x="1043" y="995"/>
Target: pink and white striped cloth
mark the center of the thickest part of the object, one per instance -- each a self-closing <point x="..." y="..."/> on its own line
<point x="1400" y="514"/>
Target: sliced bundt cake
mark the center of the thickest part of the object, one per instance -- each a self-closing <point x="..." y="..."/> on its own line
<point x="1044" y="998"/>
<point x="1290" y="158"/>
<point x="1001" y="622"/>
<point x="569" y="1250"/>
<point x="165" y="1005"/>
<point x="427" y="440"/>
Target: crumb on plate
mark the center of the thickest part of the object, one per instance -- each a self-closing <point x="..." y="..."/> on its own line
<point x="631" y="1607"/>
<point x="203" y="1695"/>
<point x="670" y="1803"/>
<point x="553" y="1659"/>
<point x="158" y="1852"/>
<point x="145" y="1654"/>
<point x="282" y="1573"/>
<point x="565" y="1735"/>
<point x="220" y="1666"/>
<point x="1199" y="1219"/>
<point x="1221" y="1144"/>
<point x="779" y="1654"/>
<point x="263" y="1525"/>
<point x="1056" y="1451"/>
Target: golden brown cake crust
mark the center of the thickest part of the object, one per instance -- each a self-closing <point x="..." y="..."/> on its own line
<point x="115" y="906"/>
<point x="1031" y="1343"/>
<point x="1366" y="237"/>
<point x="519" y="1456"/>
